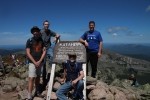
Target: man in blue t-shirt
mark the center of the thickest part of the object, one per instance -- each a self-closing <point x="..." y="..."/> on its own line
<point x="93" y="42"/>
<point x="73" y="78"/>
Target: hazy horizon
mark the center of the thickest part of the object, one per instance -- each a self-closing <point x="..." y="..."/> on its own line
<point x="119" y="21"/>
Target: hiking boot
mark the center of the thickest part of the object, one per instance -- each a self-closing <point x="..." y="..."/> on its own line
<point x="81" y="99"/>
<point x="77" y="99"/>
<point x="36" y="94"/>
<point x="29" y="99"/>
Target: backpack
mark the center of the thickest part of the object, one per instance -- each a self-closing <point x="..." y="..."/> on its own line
<point x="31" y="41"/>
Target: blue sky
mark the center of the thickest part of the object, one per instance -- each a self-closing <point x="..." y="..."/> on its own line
<point x="119" y="21"/>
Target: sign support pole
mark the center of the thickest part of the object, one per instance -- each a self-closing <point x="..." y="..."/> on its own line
<point x="84" y="90"/>
<point x="50" y="84"/>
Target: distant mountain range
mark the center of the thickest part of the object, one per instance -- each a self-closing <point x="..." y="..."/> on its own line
<point x="140" y="51"/>
<point x="4" y="52"/>
<point x="9" y="49"/>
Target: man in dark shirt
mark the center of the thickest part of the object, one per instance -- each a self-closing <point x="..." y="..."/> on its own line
<point x="73" y="77"/>
<point x="35" y="50"/>
<point x="47" y="34"/>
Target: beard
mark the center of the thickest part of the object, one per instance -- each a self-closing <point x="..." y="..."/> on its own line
<point x="72" y="62"/>
<point x="36" y="37"/>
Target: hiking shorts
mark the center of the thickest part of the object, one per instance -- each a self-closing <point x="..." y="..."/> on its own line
<point x="33" y="71"/>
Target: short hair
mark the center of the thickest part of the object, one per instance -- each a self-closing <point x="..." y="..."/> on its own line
<point x="92" y="22"/>
<point x="34" y="28"/>
<point x="45" y="21"/>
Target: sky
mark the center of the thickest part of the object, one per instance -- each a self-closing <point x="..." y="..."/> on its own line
<point x="118" y="21"/>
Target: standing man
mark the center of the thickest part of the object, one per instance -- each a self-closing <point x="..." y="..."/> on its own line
<point x="35" y="50"/>
<point x="93" y="42"/>
<point x="46" y="36"/>
<point x="73" y="78"/>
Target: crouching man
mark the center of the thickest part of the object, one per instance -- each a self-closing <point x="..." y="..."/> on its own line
<point x="73" y="78"/>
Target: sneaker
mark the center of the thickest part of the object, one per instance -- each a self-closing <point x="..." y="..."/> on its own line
<point x="77" y="99"/>
<point x="30" y="99"/>
<point x="81" y="99"/>
<point x="36" y="94"/>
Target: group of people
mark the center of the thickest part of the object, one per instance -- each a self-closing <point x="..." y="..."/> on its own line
<point x="38" y="47"/>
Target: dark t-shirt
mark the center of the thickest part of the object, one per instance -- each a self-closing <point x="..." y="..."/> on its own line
<point x="36" y="48"/>
<point x="72" y="71"/>
<point x="46" y="36"/>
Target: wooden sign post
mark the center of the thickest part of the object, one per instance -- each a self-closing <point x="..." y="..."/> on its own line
<point x="60" y="55"/>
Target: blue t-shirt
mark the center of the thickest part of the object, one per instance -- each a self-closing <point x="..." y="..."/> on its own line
<point x="93" y="38"/>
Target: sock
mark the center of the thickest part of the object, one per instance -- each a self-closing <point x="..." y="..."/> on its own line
<point x="29" y="95"/>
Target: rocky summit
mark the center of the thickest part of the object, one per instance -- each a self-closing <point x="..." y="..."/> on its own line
<point x="113" y="80"/>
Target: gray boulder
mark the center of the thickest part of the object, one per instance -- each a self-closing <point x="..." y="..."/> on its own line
<point x="7" y="88"/>
<point x="91" y="80"/>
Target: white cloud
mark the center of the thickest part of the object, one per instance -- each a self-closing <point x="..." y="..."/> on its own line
<point x="11" y="38"/>
<point x="121" y="30"/>
<point x="141" y="35"/>
<point x="12" y="33"/>
<point x="148" y="8"/>
<point x="115" y="29"/>
<point x="6" y="33"/>
<point x="114" y="34"/>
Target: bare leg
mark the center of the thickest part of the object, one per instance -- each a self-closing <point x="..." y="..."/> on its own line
<point x="30" y="86"/>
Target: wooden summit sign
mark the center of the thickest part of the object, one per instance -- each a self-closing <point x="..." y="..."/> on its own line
<point x="63" y="48"/>
<point x="60" y="54"/>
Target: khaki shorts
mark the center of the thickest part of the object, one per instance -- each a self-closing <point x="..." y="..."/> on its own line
<point x="33" y="71"/>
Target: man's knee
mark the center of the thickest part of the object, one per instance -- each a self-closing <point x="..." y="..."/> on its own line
<point x="31" y="78"/>
<point x="58" y="93"/>
<point x="80" y="83"/>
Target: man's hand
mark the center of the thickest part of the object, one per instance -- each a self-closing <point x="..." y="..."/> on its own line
<point x="86" y="44"/>
<point x="56" y="38"/>
<point x="62" y="80"/>
<point x="37" y="64"/>
<point x="74" y="82"/>
<point x="99" y="54"/>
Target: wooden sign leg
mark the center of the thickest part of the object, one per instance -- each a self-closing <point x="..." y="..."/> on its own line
<point x="84" y="91"/>
<point x="50" y="84"/>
